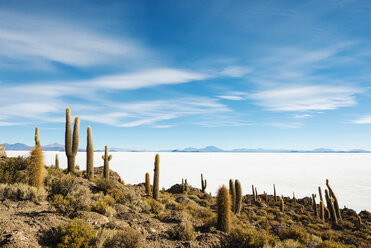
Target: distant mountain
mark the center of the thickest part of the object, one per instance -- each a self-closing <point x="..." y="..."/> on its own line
<point x="59" y="147"/>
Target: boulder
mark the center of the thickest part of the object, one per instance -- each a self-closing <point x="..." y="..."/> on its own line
<point x="2" y="152"/>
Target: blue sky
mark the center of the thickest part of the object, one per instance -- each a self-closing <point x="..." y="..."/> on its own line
<point x="173" y="74"/>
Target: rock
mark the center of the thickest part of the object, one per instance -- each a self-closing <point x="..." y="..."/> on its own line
<point x="2" y="152"/>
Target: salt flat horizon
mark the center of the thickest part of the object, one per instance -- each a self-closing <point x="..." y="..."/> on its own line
<point x="301" y="173"/>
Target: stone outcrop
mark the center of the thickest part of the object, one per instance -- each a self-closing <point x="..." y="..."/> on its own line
<point x="2" y="151"/>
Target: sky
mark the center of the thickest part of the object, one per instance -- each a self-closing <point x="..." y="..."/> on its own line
<point x="174" y="74"/>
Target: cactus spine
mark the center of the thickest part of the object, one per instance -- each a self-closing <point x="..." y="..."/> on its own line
<point x="330" y="206"/>
<point x="232" y="191"/>
<point x="314" y="205"/>
<point x="274" y="190"/>
<point x="224" y="210"/>
<point x="56" y="161"/>
<point x="282" y="206"/>
<point x="36" y="165"/>
<point x="238" y="189"/>
<point x="106" y="159"/>
<point x="203" y="183"/>
<point x="89" y="155"/>
<point x="336" y="203"/>
<point x="71" y="146"/>
<point x="156" y="177"/>
<point x="148" y="184"/>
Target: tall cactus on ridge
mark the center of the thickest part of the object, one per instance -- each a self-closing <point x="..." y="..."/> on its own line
<point x="148" y="184"/>
<point x="106" y="159"/>
<point x="320" y="193"/>
<point x="315" y="205"/>
<point x="282" y="206"/>
<point x="232" y="191"/>
<point x="156" y="177"/>
<point x="71" y="146"/>
<point x="224" y="210"/>
<point x="274" y="191"/>
<point x="253" y="193"/>
<point x="36" y="166"/>
<point x="89" y="155"/>
<point x="330" y="206"/>
<point x="37" y="139"/>
<point x="203" y="183"/>
<point x="336" y="202"/>
<point x="238" y="189"/>
<point x="322" y="210"/>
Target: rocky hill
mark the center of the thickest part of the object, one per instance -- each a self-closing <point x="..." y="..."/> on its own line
<point x="72" y="211"/>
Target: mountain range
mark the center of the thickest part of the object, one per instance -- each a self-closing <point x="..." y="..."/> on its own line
<point x="59" y="147"/>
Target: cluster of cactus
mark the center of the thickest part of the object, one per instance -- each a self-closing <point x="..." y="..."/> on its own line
<point x="185" y="186"/>
<point x="71" y="144"/>
<point x="235" y="190"/>
<point x="203" y="184"/>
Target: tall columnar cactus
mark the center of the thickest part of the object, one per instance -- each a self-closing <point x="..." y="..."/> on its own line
<point x="322" y="210"/>
<point x="148" y="184"/>
<point x="336" y="202"/>
<point x="238" y="190"/>
<point x="224" y="210"/>
<point x="89" y="155"/>
<point x="37" y="139"/>
<point x="56" y="161"/>
<point x="156" y="177"/>
<point x="253" y="193"/>
<point x="282" y="207"/>
<point x="293" y="197"/>
<point x="186" y="188"/>
<point x="71" y="146"/>
<point x="315" y="205"/>
<point x="320" y="193"/>
<point x="330" y="206"/>
<point x="203" y="183"/>
<point x="36" y="165"/>
<point x="232" y="191"/>
<point x="265" y="196"/>
<point x="256" y="194"/>
<point x="106" y="159"/>
<point x="183" y="186"/>
<point x="275" y="194"/>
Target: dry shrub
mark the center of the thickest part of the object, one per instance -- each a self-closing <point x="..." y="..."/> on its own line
<point x="76" y="234"/>
<point x="104" y="206"/>
<point x="156" y="207"/>
<point x="182" y="231"/>
<point x="245" y="237"/>
<point x="22" y="192"/>
<point x="295" y="233"/>
<point x="129" y="238"/>
<point x="104" y="184"/>
<point x="330" y="244"/>
<point x="12" y="170"/>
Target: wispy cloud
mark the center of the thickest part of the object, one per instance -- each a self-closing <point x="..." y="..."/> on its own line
<point x="302" y="116"/>
<point x="306" y="98"/>
<point x="235" y="71"/>
<point x="363" y="120"/>
<point x="283" y="125"/>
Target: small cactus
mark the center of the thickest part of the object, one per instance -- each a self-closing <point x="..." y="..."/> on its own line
<point x="203" y="183"/>
<point x="224" y="210"/>
<point x="274" y="191"/>
<point x="156" y="177"/>
<point x="36" y="165"/>
<point x="282" y="206"/>
<point x="89" y="155"/>
<point x="265" y="196"/>
<point x="106" y="159"/>
<point x="148" y="184"/>
<point x="253" y="193"/>
<point x="56" y="161"/>
<point x="238" y="190"/>
<point x="293" y="197"/>
<point x="71" y="146"/>
<point x="186" y="188"/>
<point x="314" y="205"/>
<point x="336" y="202"/>
<point x="232" y="191"/>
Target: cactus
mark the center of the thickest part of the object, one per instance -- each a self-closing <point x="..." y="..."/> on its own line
<point x="253" y="193"/>
<point x="238" y="190"/>
<point x="89" y="155"/>
<point x="232" y="191"/>
<point x="203" y="183"/>
<point x="359" y="220"/>
<point x="186" y="189"/>
<point x="315" y="205"/>
<point x="331" y="207"/>
<point x="322" y="210"/>
<point x="224" y="210"/>
<point x="71" y="146"/>
<point x="256" y="194"/>
<point x="320" y="193"/>
<point x="36" y="165"/>
<point x="148" y="184"/>
<point x="274" y="190"/>
<point x="282" y="206"/>
<point x="156" y="177"/>
<point x="56" y="161"/>
<point x="106" y="159"/>
<point x="336" y="203"/>
<point x="37" y="140"/>
<point x="265" y="196"/>
<point x="293" y="197"/>
<point x="183" y="186"/>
